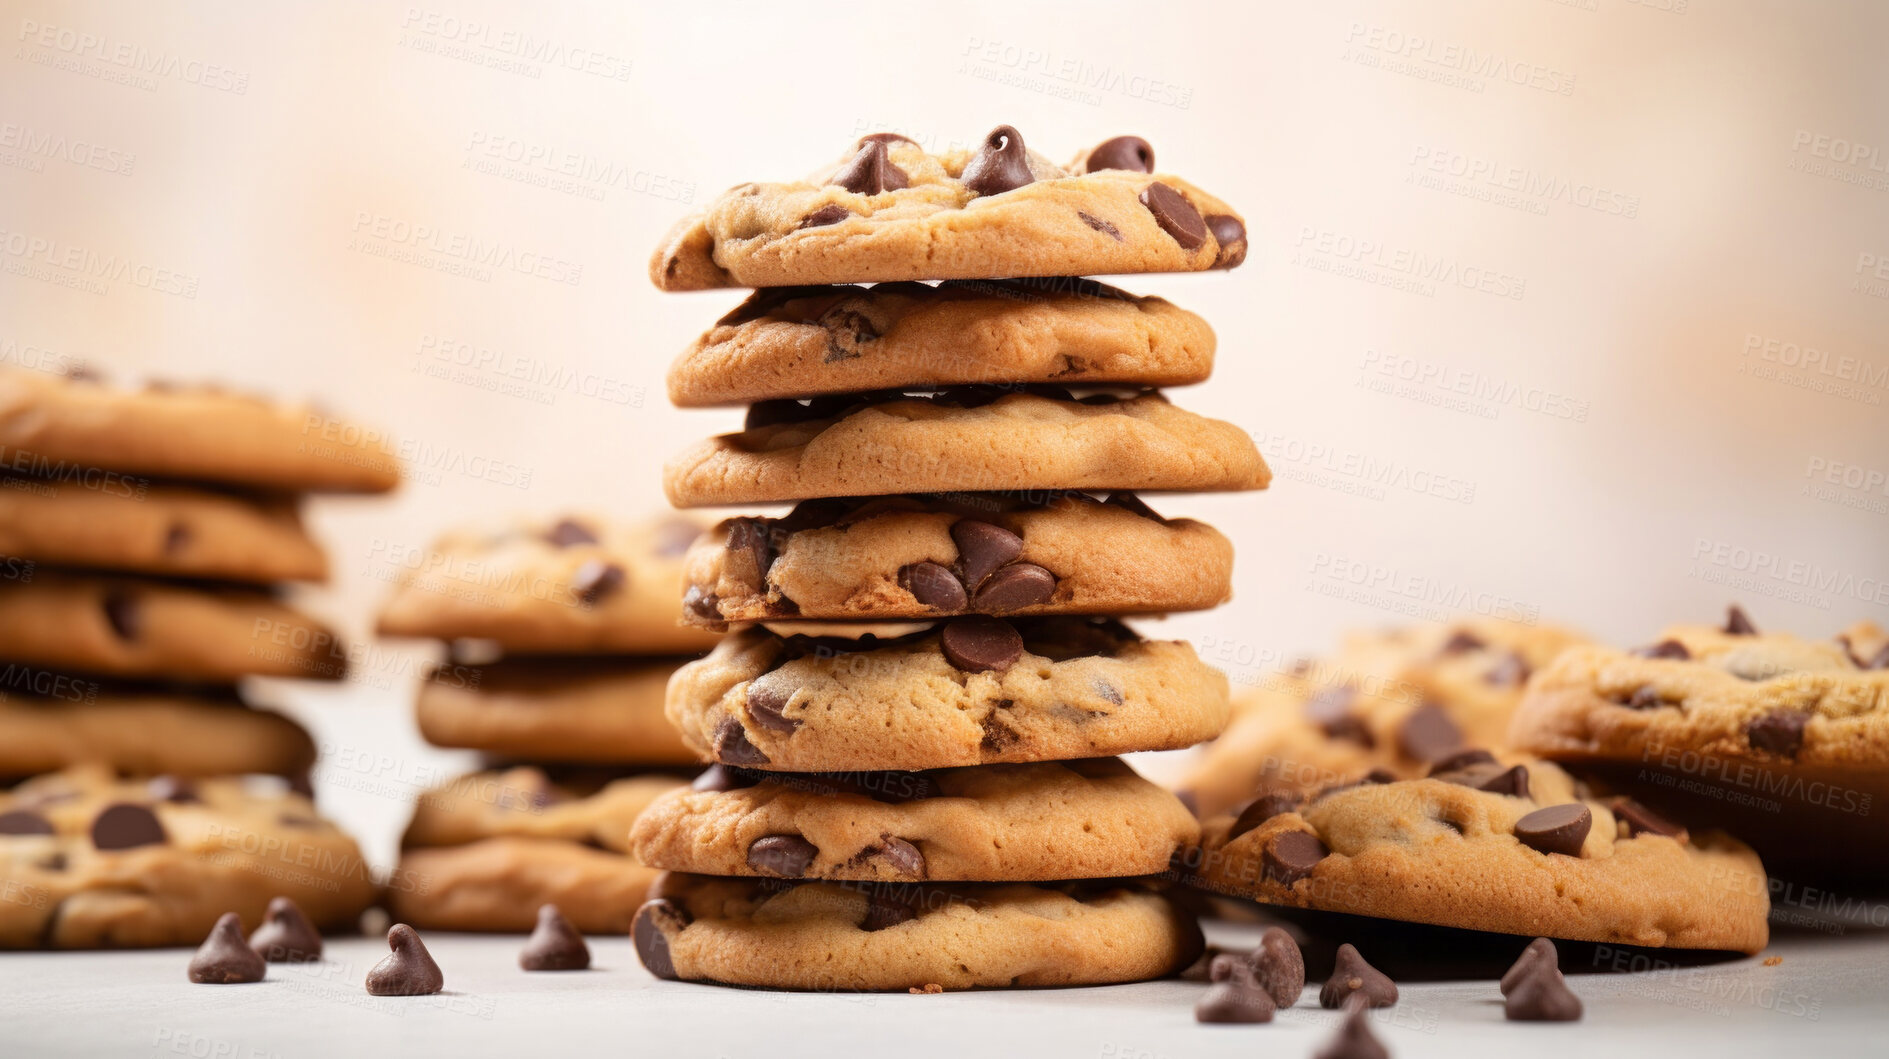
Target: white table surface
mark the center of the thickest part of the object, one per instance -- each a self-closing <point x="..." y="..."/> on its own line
<point x="1828" y="997"/>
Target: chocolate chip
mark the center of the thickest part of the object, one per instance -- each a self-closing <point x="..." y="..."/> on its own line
<point x="904" y="857"/>
<point x="1643" y="821"/>
<point x="1354" y="1039"/>
<point x="998" y="735"/>
<point x="1538" y="950"/>
<point x="782" y="856"/>
<point x="733" y="747"/>
<point x="1330" y="709"/>
<point x="1262" y="809"/>
<point x="750" y="553"/>
<point x="176" y="538"/>
<point x="225" y="958"/>
<point x="568" y="532"/>
<point x="1015" y="587"/>
<point x="831" y="213"/>
<point x="1131" y="153"/>
<point x="1512" y="781"/>
<point x="1352" y="976"/>
<point x="1462" y="759"/>
<point x="1738" y="623"/>
<point x="1292" y="855"/>
<point x="933" y="585"/>
<point x="1175" y="215"/>
<point x="1461" y="641"/>
<point x="982" y="548"/>
<point x="768" y="696"/>
<point x="123" y="613"/>
<point x="286" y="935"/>
<point x="1644" y="697"/>
<point x="1100" y="225"/>
<point x="596" y="579"/>
<point x="1234" y="996"/>
<point x="24" y="822"/>
<point x="1510" y="672"/>
<point x="717" y="778"/>
<point x="1541" y="995"/>
<point x="126" y="826"/>
<point x="1664" y="649"/>
<point x="409" y="970"/>
<point x="1279" y="967"/>
<point x="1131" y="502"/>
<point x="1001" y="164"/>
<point x="1556" y="829"/>
<point x="1428" y="734"/>
<point x="702" y="603"/>
<point x="1781" y="731"/>
<point x="650" y="931"/>
<point x="871" y="171"/>
<point x="1109" y="692"/>
<point x="174" y="789"/>
<point x="883" y="911"/>
<point x="1230" y="233"/>
<point x="554" y="944"/>
<point x="980" y="643"/>
<point x="886" y="138"/>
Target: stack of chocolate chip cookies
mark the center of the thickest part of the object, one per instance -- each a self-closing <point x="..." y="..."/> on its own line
<point x="915" y="720"/>
<point x="143" y="533"/>
<point x="563" y="634"/>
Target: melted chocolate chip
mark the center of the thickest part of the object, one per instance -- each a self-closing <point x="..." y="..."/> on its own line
<point x="1001" y="164"/>
<point x="1100" y="225"/>
<point x="1556" y="829"/>
<point x="1292" y="855"/>
<point x="781" y="856"/>
<point x="126" y="826"/>
<point x="1230" y="233"/>
<point x="977" y="644"/>
<point x="1175" y="215"/>
<point x="732" y="746"/>
<point x="831" y="213"/>
<point x="750" y="553"/>
<point x="1781" y="732"/>
<point x="871" y="171"/>
<point x="569" y="532"/>
<point x="982" y="549"/>
<point x="768" y="696"/>
<point x="651" y="929"/>
<point x="935" y="586"/>
<point x="903" y="857"/>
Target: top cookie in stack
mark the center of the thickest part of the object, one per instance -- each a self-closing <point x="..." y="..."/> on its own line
<point x="914" y="721"/>
<point x="565" y="632"/>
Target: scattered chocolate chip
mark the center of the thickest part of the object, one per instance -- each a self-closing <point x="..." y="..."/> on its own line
<point x="1556" y="829"/>
<point x="980" y="643"/>
<point x="1644" y="697"/>
<point x="123" y="613"/>
<point x="569" y="532"/>
<point x="883" y="911"/>
<point x="1175" y="215"/>
<point x="1234" y="996"/>
<point x="174" y="789"/>
<point x="554" y="944"/>
<point x="1279" y="967"/>
<point x="596" y="579"/>
<point x="831" y="213"/>
<point x="24" y="822"/>
<point x="1100" y="225"/>
<point x="1001" y="164"/>
<point x="1428" y="734"/>
<point x="1015" y="587"/>
<point x="782" y="856"/>
<point x="1643" y="821"/>
<point x="1738" y="623"/>
<point x="1352" y="976"/>
<point x="1664" y="649"/>
<point x="1262" y="809"/>
<point x="1781" y="731"/>
<point x="1230" y="233"/>
<point x="225" y="958"/>
<point x="871" y="171"/>
<point x="1541" y="995"/>
<point x="733" y="747"/>
<point x="409" y="970"/>
<point x="1462" y="759"/>
<point x="1525" y="964"/>
<point x="1292" y="855"/>
<point x="176" y="538"/>
<point x="904" y="857"/>
<point x="1131" y="153"/>
<point x="982" y="548"/>
<point x="1331" y="709"/>
<point x="651" y="930"/>
<point x="126" y="826"/>
<point x="1354" y="1039"/>
<point x="1510" y="672"/>
<point x="768" y="696"/>
<point x="935" y="586"/>
<point x="286" y="935"/>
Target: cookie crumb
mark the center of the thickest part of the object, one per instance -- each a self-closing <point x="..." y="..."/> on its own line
<point x="929" y="987"/>
<point x="1773" y="961"/>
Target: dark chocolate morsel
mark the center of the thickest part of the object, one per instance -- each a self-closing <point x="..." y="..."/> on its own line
<point x="1234" y="997"/>
<point x="1643" y="821"/>
<point x="1738" y="623"/>
<point x="569" y="532"/>
<point x="831" y="213"/>
<point x="1462" y="759"/>
<point x="596" y="579"/>
<point x="1537" y="950"/>
<point x="1175" y="215"/>
<point x="286" y="935"/>
<point x="782" y="856"/>
<point x="982" y="548"/>
<point x="885" y="138"/>
<point x="1123" y="152"/>
<point x="1781" y="731"/>
<point x="1461" y="641"/>
<point x="934" y="585"/>
<point x="1262" y="809"/>
<point x="1428" y="734"/>
<point x="1350" y="976"/>
<point x="225" y="958"/>
<point x="1664" y="649"/>
<point x="750" y="553"/>
<point x="1231" y="235"/>
<point x="980" y="643"/>
<point x="1001" y="164"/>
<point x="123" y="613"/>
<point x="883" y="912"/>
<point x="408" y="970"/>
<point x="554" y="945"/>
<point x="905" y="858"/>
<point x="1279" y="967"/>
<point x="24" y="822"/>
<point x="733" y="747"/>
<point x="650" y="931"/>
<point x="870" y="172"/>
<point x="1556" y="829"/>
<point x="127" y="826"/>
<point x="1541" y="995"/>
<point x="1292" y="855"/>
<point x="768" y="696"/>
<point x="1015" y="587"/>
<point x="174" y="789"/>
<point x="1354" y="1039"/>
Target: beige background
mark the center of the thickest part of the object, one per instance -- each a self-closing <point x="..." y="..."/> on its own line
<point x="1522" y="331"/>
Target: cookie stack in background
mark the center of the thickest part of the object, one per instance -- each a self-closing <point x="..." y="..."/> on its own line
<point x="562" y="637"/>
<point x="144" y="535"/>
<point x="914" y="722"/>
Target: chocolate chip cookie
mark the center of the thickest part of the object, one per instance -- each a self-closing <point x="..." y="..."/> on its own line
<point x="970" y="691"/>
<point x="170" y="530"/>
<point x="484" y="851"/>
<point x="1022" y="823"/>
<point x="149" y="629"/>
<point x="809" y="341"/>
<point x="77" y="430"/>
<point x="924" y="557"/>
<point x="578" y="584"/>
<point x="601" y="710"/>
<point x="140" y="731"/>
<point x="1493" y="845"/>
<point x="834" y="936"/>
<point x="888" y="210"/>
<point x="982" y="439"/>
<point x="1783" y="740"/>
<point x="87" y="861"/>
